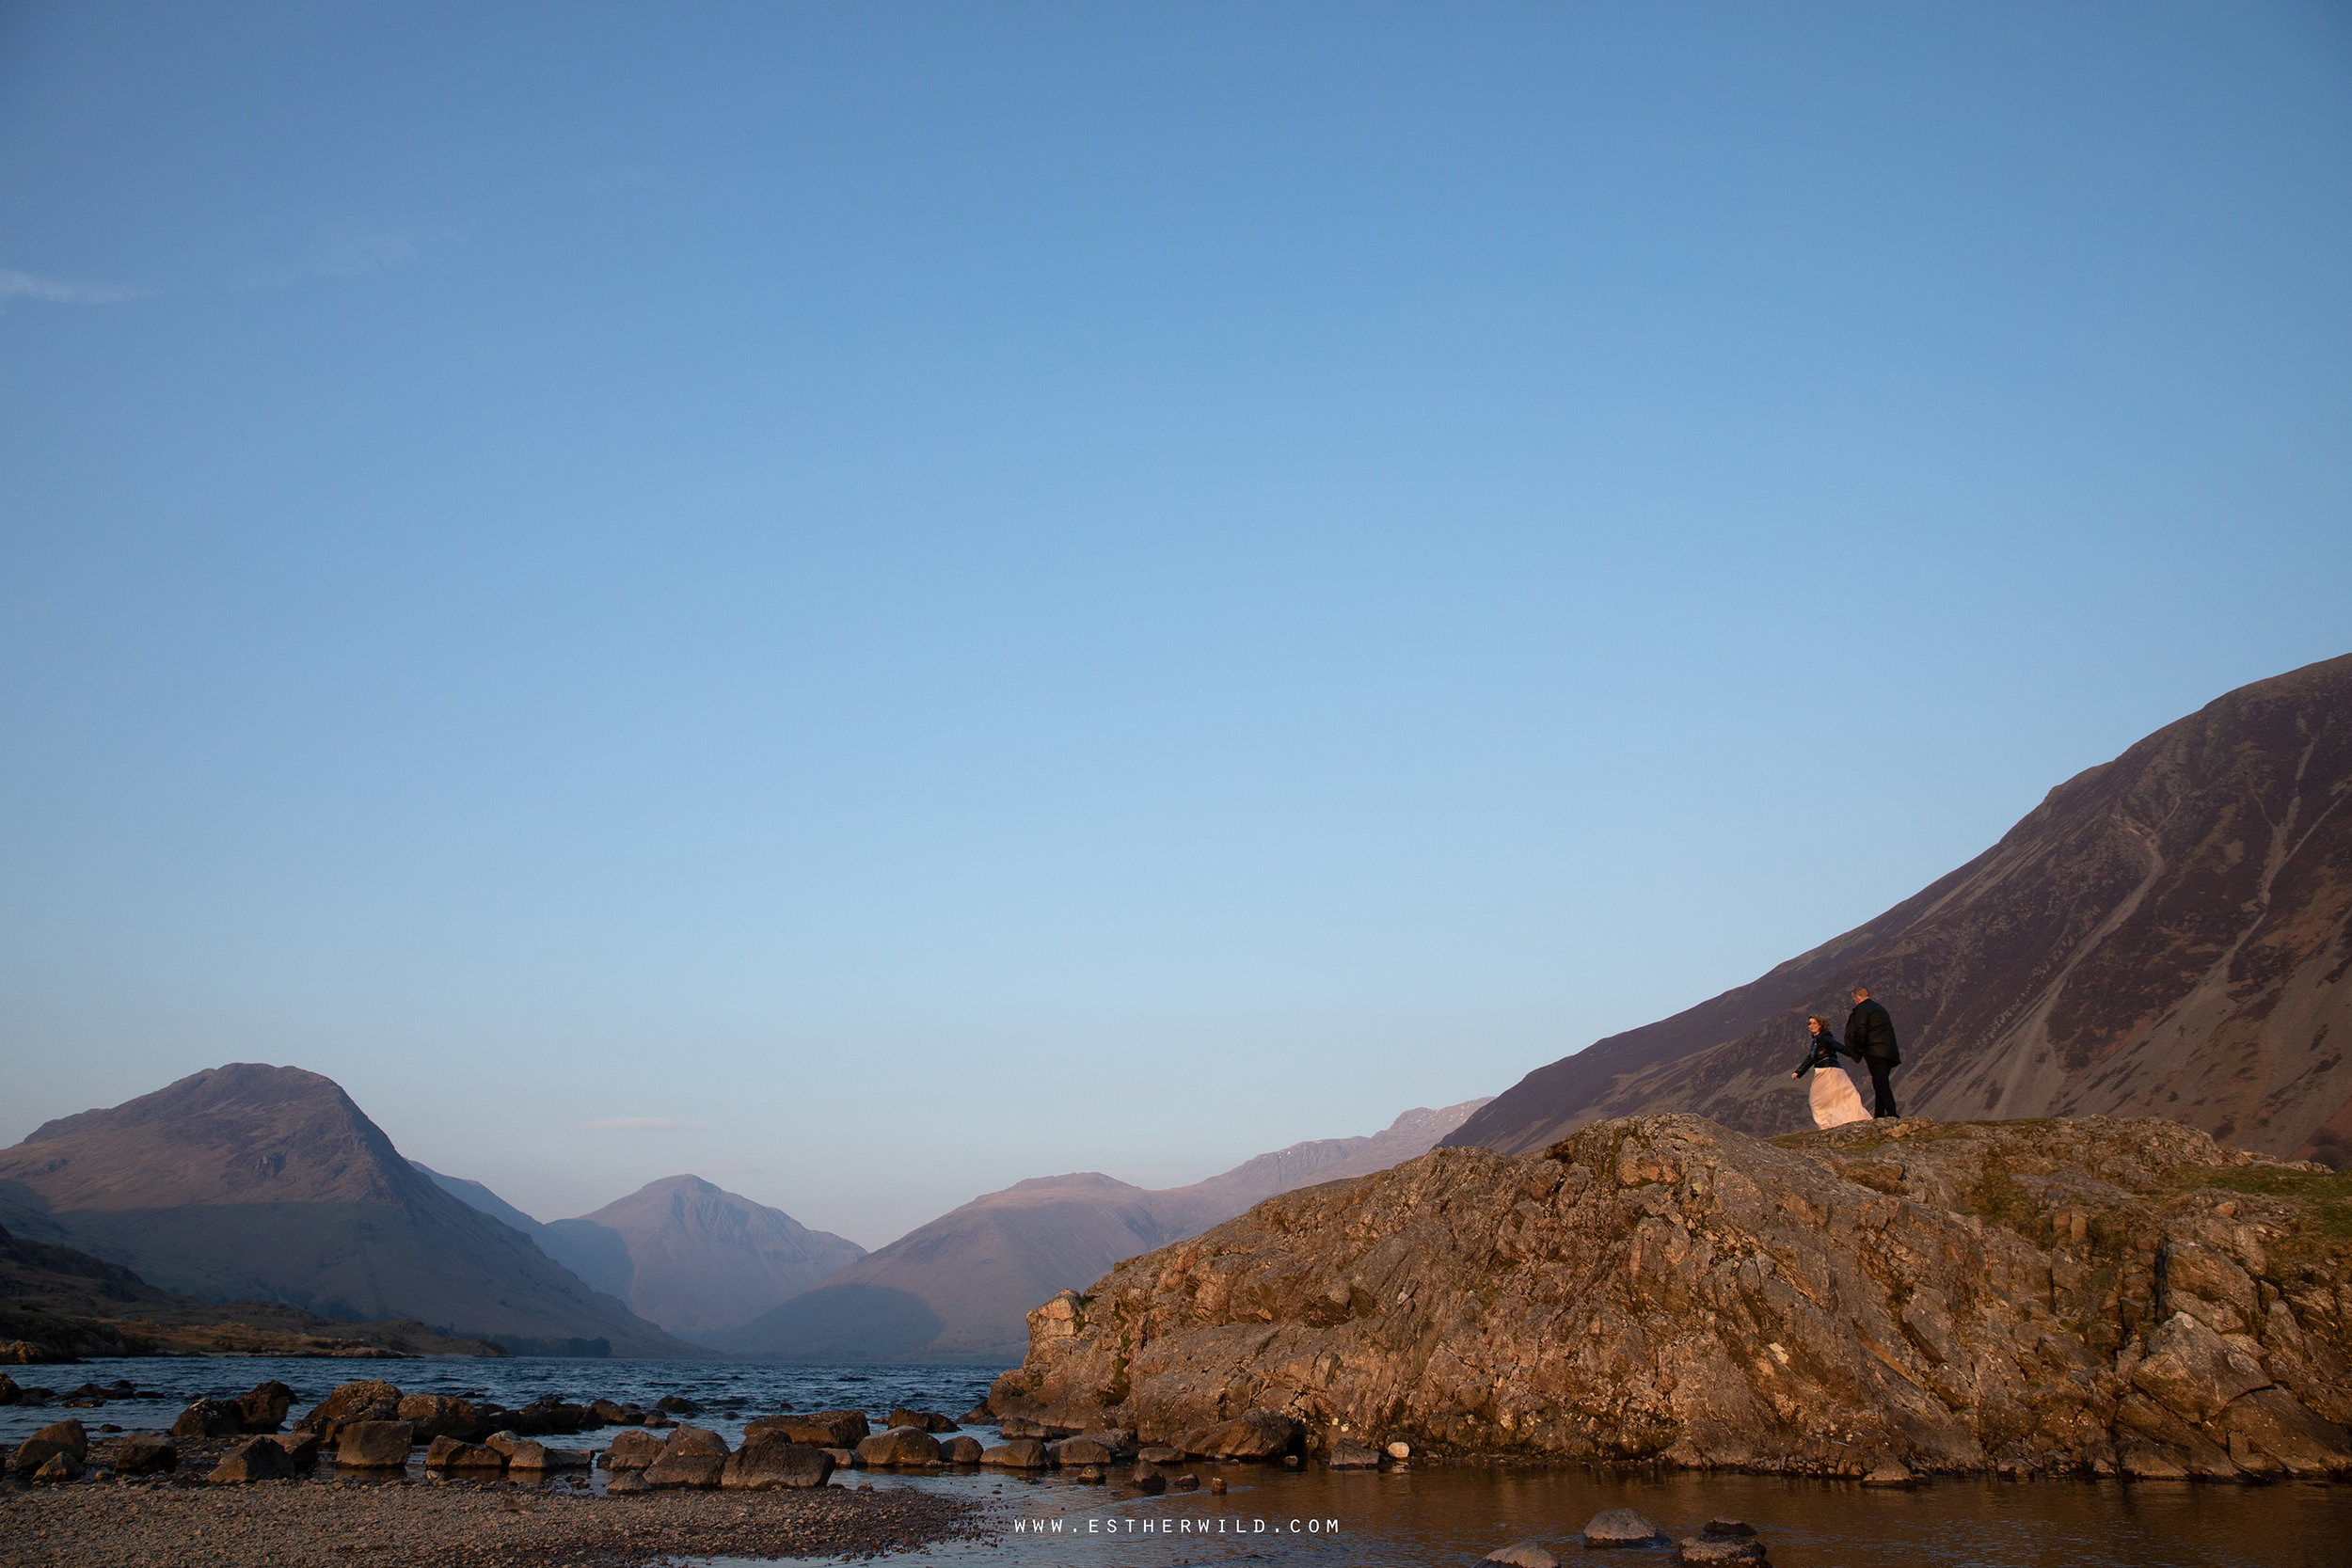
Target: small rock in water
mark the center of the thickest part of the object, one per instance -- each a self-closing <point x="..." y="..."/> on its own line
<point x="1721" y="1548"/>
<point x="1187" y="1482"/>
<point x="1400" y="1450"/>
<point x="1348" y="1454"/>
<point x="1217" y="1483"/>
<point x="1729" y="1527"/>
<point x="1524" y="1554"/>
<point x="1622" y="1526"/>
<point x="1089" y="1472"/>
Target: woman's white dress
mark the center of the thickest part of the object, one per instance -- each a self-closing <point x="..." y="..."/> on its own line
<point x="1835" y="1101"/>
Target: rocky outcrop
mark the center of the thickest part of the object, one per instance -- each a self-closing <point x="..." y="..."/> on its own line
<point x="1886" y="1298"/>
<point x="2167" y="934"/>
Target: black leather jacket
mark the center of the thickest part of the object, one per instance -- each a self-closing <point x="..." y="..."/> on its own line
<point x="1822" y="1050"/>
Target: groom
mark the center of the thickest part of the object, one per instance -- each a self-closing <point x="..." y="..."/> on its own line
<point x="1870" y="1035"/>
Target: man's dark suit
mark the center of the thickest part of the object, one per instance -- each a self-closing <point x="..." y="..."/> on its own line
<point x="1870" y="1035"/>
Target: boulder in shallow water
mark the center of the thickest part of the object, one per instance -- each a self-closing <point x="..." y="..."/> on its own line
<point x="764" y="1463"/>
<point x="962" y="1449"/>
<point x="903" y="1448"/>
<point x="370" y="1399"/>
<point x="263" y="1409"/>
<point x="535" y="1457"/>
<point x="256" y="1459"/>
<point x="1721" y="1548"/>
<point x="822" y="1429"/>
<point x="150" y="1453"/>
<point x="690" y="1457"/>
<point x="979" y="1416"/>
<point x="372" y="1445"/>
<point x="631" y="1448"/>
<point x="921" y="1421"/>
<point x="439" y="1416"/>
<point x="1082" y="1450"/>
<point x="208" y="1419"/>
<point x="1522" y="1554"/>
<point x="677" y="1404"/>
<point x="1022" y="1454"/>
<point x="1348" y="1454"/>
<point x="1148" y="1477"/>
<point x="843" y="1459"/>
<point x="451" y="1453"/>
<point x="689" y="1470"/>
<point x="1622" y="1526"/>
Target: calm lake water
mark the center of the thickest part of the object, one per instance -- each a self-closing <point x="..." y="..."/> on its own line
<point x="1316" y="1517"/>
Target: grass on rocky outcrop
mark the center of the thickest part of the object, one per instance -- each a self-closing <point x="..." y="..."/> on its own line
<point x="2323" y="1201"/>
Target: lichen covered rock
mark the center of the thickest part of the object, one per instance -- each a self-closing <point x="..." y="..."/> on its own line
<point x="1889" y="1298"/>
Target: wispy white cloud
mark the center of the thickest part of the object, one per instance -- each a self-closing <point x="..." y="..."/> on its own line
<point x="349" y="251"/>
<point x="646" y="1124"/>
<point x="57" y="291"/>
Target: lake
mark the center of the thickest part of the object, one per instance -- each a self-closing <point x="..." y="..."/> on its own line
<point x="1423" y="1515"/>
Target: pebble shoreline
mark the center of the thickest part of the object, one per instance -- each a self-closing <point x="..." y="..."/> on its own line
<point x="298" y="1524"/>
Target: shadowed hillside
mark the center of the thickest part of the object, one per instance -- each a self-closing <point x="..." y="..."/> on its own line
<point x="2165" y="935"/>
<point x="267" y="1183"/>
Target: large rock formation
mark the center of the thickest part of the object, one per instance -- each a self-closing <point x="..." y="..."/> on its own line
<point x="267" y="1183"/>
<point x="2169" y="934"/>
<point x="959" y="1288"/>
<point x="2090" y="1296"/>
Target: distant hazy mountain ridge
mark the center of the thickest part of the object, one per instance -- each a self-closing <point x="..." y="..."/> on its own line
<point x="267" y="1183"/>
<point x="2168" y="934"/>
<point x="961" y="1286"/>
<point x="682" y="1252"/>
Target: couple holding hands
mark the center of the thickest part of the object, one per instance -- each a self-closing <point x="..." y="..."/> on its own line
<point x="1871" y="1040"/>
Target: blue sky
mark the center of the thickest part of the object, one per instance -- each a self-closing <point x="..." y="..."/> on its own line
<point x="938" y="594"/>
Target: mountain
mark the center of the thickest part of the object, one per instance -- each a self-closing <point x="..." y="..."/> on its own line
<point x="960" y="1287"/>
<point x="700" y="1260"/>
<point x="685" y="1254"/>
<point x="2165" y="935"/>
<point x="250" y="1181"/>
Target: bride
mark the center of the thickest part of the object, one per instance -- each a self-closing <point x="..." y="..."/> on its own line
<point x="1835" y="1102"/>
